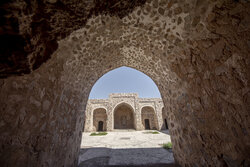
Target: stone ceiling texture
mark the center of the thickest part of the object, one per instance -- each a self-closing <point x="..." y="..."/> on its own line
<point x="30" y="29"/>
<point x="197" y="52"/>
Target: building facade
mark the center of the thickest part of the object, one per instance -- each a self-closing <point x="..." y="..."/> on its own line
<point x="125" y="111"/>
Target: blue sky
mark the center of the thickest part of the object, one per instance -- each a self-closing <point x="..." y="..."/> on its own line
<point x="124" y="80"/>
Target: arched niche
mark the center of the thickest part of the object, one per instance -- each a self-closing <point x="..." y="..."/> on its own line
<point x="124" y="117"/>
<point x="99" y="119"/>
<point x="148" y="118"/>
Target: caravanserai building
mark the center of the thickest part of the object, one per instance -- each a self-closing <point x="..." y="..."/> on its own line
<point x="125" y="111"/>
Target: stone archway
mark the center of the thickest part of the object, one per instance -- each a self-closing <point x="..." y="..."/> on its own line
<point x="124" y="117"/>
<point x="197" y="52"/>
<point x="99" y="117"/>
<point x="148" y="117"/>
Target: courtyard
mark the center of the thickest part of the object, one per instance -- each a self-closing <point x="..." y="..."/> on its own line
<point x="126" y="148"/>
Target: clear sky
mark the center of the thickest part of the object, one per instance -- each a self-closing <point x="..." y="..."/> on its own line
<point x="124" y="80"/>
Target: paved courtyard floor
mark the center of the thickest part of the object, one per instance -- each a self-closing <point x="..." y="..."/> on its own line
<point x="125" y="148"/>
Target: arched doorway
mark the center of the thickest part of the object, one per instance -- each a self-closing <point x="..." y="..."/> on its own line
<point x="147" y="124"/>
<point x="123" y="117"/>
<point x="148" y="118"/>
<point x="99" y="120"/>
<point x="100" y="126"/>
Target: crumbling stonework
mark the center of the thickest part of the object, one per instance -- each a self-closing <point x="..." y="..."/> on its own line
<point x="196" y="51"/>
<point x="124" y="111"/>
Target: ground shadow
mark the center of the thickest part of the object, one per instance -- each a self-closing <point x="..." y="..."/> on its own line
<point x="165" y="131"/>
<point x="119" y="157"/>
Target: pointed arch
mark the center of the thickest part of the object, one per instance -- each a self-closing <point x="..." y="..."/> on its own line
<point x="124" y="117"/>
<point x="99" y="119"/>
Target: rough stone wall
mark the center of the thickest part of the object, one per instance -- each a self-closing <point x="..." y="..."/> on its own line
<point x="197" y="52"/>
<point x="33" y="28"/>
<point x="164" y="116"/>
<point x="132" y="102"/>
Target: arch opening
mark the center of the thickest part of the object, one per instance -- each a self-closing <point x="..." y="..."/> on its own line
<point x="121" y="81"/>
<point x="99" y="120"/>
<point x="128" y="118"/>
<point x="124" y="79"/>
<point x="124" y="117"/>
